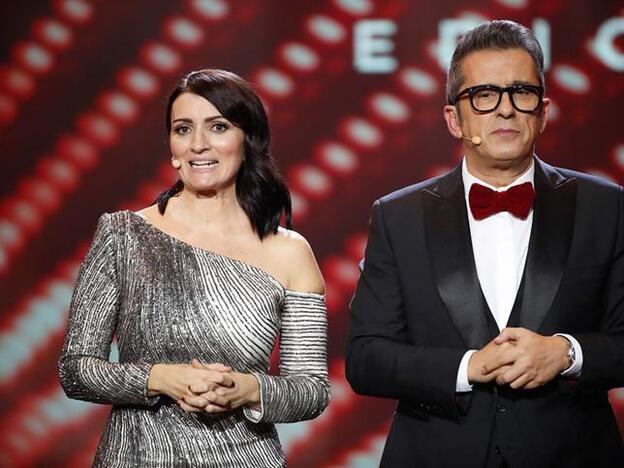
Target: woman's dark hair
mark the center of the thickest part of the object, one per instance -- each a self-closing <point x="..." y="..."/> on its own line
<point x="260" y="189"/>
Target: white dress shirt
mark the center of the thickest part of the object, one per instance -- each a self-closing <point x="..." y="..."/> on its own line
<point x="500" y="244"/>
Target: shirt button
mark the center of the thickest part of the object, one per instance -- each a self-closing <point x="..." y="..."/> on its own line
<point x="501" y="408"/>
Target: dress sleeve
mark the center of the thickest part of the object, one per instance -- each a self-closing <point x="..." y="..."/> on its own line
<point x="84" y="368"/>
<point x="301" y="391"/>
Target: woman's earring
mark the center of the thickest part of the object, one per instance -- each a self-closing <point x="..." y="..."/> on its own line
<point x="175" y="163"/>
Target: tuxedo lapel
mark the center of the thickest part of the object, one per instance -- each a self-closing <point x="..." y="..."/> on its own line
<point x="551" y="235"/>
<point x="452" y="259"/>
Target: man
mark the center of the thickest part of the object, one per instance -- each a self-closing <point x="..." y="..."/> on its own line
<point x="491" y="299"/>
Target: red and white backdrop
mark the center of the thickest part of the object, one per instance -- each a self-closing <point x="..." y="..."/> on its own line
<point x="355" y="90"/>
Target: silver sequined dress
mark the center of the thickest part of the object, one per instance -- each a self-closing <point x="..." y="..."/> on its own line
<point x="167" y="301"/>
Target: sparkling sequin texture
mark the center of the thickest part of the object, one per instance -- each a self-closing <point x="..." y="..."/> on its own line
<point x="168" y="302"/>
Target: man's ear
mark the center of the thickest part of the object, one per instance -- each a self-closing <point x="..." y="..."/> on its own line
<point x="452" y="121"/>
<point x="545" y="109"/>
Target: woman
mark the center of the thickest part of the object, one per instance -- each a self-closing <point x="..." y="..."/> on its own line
<point x="196" y="289"/>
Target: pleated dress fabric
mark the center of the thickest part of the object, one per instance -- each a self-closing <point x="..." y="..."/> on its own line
<point x="167" y="301"/>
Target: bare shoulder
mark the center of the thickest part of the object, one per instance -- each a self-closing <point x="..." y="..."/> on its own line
<point x="297" y="260"/>
<point x="293" y="244"/>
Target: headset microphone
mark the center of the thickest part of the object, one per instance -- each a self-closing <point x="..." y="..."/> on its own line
<point x="475" y="140"/>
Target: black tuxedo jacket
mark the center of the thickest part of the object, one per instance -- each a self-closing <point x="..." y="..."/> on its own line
<point x="418" y="308"/>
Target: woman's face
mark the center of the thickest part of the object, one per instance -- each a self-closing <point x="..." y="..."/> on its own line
<point x="208" y="147"/>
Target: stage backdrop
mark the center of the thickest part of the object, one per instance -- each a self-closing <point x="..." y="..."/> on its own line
<point x="355" y="90"/>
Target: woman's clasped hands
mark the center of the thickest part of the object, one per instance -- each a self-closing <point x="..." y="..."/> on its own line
<point x="211" y="388"/>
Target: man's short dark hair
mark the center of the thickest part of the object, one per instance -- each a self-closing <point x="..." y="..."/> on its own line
<point x="493" y="35"/>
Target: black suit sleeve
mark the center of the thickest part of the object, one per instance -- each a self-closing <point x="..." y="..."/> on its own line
<point x="380" y="359"/>
<point x="603" y="352"/>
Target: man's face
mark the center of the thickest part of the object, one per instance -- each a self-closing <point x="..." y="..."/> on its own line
<point x="507" y="135"/>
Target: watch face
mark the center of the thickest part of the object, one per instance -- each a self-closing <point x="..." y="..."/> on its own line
<point x="571" y="354"/>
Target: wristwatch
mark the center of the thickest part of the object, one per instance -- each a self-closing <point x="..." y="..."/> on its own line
<point x="571" y="354"/>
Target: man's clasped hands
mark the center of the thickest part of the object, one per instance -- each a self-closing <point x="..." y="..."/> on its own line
<point x="519" y="358"/>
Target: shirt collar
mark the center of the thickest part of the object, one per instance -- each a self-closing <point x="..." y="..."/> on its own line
<point x="469" y="179"/>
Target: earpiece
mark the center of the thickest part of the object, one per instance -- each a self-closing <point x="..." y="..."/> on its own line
<point x="475" y="140"/>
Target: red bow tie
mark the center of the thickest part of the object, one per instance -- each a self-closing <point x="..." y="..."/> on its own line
<point x="517" y="200"/>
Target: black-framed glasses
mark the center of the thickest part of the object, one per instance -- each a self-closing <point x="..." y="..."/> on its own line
<point x="486" y="98"/>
